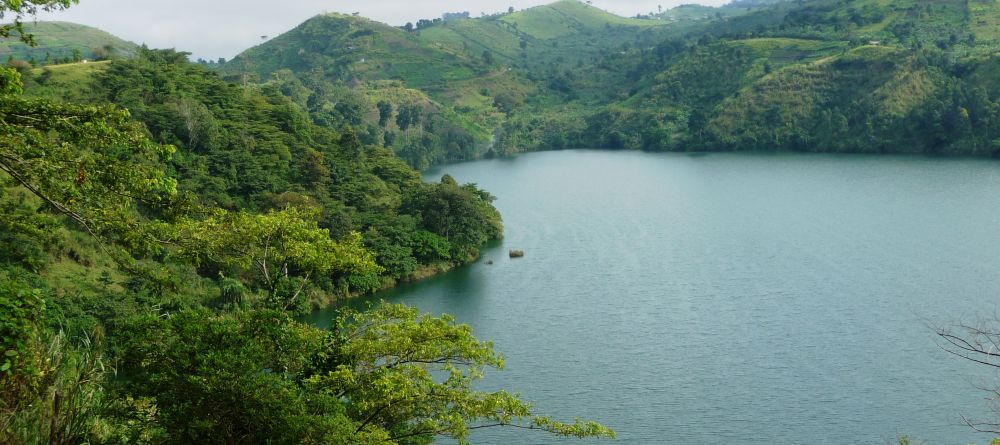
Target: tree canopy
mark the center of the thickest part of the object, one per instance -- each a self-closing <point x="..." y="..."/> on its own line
<point x="167" y="223"/>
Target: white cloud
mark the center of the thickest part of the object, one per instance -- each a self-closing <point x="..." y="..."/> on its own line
<point x="223" y="28"/>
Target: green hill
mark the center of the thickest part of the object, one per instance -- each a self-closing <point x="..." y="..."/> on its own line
<point x="223" y="199"/>
<point x="821" y="75"/>
<point x="57" y="41"/>
<point x="476" y="73"/>
<point x="688" y="78"/>
<point x="344" y="61"/>
<point x="567" y="18"/>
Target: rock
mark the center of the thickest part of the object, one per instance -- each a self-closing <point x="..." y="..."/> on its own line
<point x="516" y="253"/>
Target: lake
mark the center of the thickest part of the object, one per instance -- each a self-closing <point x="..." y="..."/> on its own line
<point x="732" y="298"/>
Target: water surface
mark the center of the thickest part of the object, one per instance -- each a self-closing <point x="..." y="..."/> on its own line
<point x="728" y="298"/>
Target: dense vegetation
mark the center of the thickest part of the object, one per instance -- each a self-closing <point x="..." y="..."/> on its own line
<point x="152" y="260"/>
<point x="913" y="75"/>
<point x="256" y="149"/>
<point x="173" y="242"/>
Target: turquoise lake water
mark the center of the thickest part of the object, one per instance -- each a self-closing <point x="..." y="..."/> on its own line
<point x="733" y="298"/>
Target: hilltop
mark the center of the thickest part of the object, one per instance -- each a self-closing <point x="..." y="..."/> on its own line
<point x="688" y="78"/>
<point x="470" y="75"/>
<point x="821" y="75"/>
<point x="58" y="41"/>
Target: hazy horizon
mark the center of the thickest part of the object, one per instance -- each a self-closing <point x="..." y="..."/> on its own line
<point x="224" y="28"/>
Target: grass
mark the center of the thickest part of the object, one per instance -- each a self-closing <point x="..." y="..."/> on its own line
<point x="566" y="18"/>
<point x="472" y="37"/>
<point x="785" y="50"/>
<point x="802" y="92"/>
<point x="58" y="40"/>
<point x="69" y="81"/>
<point x="985" y="23"/>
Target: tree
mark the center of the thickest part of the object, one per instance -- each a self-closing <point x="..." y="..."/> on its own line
<point x="385" y="361"/>
<point x="461" y="214"/>
<point x="488" y="57"/>
<point x="978" y="344"/>
<point x="387" y="375"/>
<point x="285" y="250"/>
<point x="409" y="115"/>
<point x="197" y="121"/>
<point x="384" y="112"/>
<point x="508" y="101"/>
<point x="242" y="369"/>
<point x="90" y="163"/>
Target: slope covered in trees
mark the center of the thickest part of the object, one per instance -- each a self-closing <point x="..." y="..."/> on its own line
<point x="569" y="74"/>
<point x="470" y="75"/>
<point x="174" y="240"/>
<point x="913" y="75"/>
<point x="256" y="149"/>
<point x="159" y="228"/>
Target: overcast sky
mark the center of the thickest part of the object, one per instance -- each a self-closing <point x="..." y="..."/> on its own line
<point x="223" y="28"/>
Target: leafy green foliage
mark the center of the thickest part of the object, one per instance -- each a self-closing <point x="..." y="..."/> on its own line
<point x="462" y="215"/>
<point x="22" y="309"/>
<point x="385" y="363"/>
<point x="258" y="150"/>
<point x="371" y="379"/>
<point x="88" y="162"/>
<point x="285" y="249"/>
<point x="256" y="374"/>
<point x="241" y="371"/>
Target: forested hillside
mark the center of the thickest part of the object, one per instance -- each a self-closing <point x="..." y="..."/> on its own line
<point x="162" y="221"/>
<point x="160" y="227"/>
<point x="914" y="76"/>
<point x="569" y="74"/>
<point x="441" y="89"/>
<point x="256" y="149"/>
<point x="846" y="76"/>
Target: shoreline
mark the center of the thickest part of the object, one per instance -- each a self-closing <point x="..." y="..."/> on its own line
<point x="422" y="273"/>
